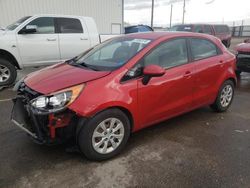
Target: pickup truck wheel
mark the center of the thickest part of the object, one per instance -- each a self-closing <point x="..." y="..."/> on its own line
<point x="104" y="135"/>
<point x="8" y="73"/>
<point x="225" y="97"/>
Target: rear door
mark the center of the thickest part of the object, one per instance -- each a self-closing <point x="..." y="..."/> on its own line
<point x="169" y="95"/>
<point x="209" y="63"/>
<point x="40" y="47"/>
<point x="73" y="37"/>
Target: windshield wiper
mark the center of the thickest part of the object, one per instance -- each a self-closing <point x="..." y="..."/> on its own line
<point x="83" y="64"/>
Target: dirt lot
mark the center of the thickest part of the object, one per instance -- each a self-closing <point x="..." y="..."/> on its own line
<point x="198" y="149"/>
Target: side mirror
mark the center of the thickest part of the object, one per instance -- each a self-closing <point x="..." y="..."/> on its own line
<point x="152" y="71"/>
<point x="29" y="29"/>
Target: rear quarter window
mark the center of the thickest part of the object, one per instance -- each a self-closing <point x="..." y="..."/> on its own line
<point x="202" y="49"/>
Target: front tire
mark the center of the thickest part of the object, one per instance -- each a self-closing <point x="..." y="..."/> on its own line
<point x="104" y="135"/>
<point x="225" y="97"/>
<point x="8" y="73"/>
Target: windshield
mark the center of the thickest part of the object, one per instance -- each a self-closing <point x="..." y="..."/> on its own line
<point x="181" y="28"/>
<point x="111" y="54"/>
<point x="17" y="23"/>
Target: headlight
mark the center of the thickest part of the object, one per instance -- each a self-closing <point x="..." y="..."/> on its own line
<point x="56" y="101"/>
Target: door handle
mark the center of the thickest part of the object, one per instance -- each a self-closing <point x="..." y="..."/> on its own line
<point x="52" y="39"/>
<point x="221" y="61"/>
<point x="84" y="38"/>
<point x="188" y="74"/>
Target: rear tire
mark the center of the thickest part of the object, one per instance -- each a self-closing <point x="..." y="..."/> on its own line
<point x="8" y="73"/>
<point x="104" y="135"/>
<point x="225" y="97"/>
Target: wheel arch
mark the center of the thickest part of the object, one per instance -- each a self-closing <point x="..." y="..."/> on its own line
<point x="82" y="121"/>
<point x="10" y="57"/>
<point x="233" y="80"/>
<point x="124" y="110"/>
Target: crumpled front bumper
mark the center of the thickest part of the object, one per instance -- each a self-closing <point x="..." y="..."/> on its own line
<point x="44" y="129"/>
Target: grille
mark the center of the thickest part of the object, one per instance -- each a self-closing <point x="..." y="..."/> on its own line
<point x="27" y="92"/>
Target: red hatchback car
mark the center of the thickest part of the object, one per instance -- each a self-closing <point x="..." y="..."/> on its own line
<point x="121" y="86"/>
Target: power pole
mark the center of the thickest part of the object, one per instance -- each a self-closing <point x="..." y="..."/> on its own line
<point x="184" y="10"/>
<point x="122" y="31"/>
<point x="152" y="13"/>
<point x="171" y="13"/>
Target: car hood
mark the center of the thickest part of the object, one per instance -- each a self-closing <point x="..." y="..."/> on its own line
<point x="243" y="47"/>
<point x="60" y="76"/>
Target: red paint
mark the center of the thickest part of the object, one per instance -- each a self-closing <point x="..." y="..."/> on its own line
<point x="57" y="122"/>
<point x="179" y="90"/>
<point x="154" y="70"/>
<point x="60" y="76"/>
<point x="243" y="47"/>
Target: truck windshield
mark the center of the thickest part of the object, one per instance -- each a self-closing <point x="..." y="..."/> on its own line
<point x="111" y="54"/>
<point x="17" y="23"/>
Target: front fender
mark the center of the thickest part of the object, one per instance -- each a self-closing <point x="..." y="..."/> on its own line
<point x="104" y="93"/>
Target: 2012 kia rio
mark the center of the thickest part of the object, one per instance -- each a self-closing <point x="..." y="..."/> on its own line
<point x="121" y="86"/>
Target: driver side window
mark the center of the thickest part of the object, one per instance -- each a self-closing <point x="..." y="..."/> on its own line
<point x="45" y="25"/>
<point x="169" y="54"/>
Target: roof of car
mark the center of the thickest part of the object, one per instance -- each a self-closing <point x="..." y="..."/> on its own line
<point x="137" y="26"/>
<point x="158" y="35"/>
<point x="59" y="15"/>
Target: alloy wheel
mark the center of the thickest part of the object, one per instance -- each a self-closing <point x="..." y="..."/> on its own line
<point x="108" y="135"/>
<point x="4" y="73"/>
<point x="226" y="96"/>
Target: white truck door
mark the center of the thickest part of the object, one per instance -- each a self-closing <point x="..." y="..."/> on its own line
<point x="40" y="46"/>
<point x="73" y="37"/>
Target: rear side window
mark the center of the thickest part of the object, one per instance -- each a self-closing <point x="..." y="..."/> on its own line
<point x="169" y="54"/>
<point x="69" y="25"/>
<point x="202" y="49"/>
<point x="208" y="30"/>
<point x="45" y="25"/>
<point x="221" y="29"/>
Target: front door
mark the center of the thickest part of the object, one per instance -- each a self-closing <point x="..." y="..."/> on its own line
<point x="40" y="47"/>
<point x="169" y="95"/>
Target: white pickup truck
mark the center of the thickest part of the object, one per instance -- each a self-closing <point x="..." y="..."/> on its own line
<point x="43" y="40"/>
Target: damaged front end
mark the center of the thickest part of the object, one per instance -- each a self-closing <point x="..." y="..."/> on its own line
<point x="46" y="125"/>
